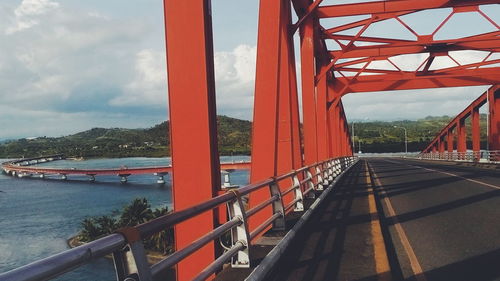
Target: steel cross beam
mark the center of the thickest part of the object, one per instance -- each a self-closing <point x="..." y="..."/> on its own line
<point x="398" y="6"/>
<point x="354" y="51"/>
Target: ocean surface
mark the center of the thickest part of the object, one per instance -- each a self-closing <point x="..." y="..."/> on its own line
<point x="37" y="216"/>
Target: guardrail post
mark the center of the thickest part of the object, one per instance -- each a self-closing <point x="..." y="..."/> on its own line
<point x="337" y="167"/>
<point x="278" y="207"/>
<point x="299" y="205"/>
<point x="330" y="170"/>
<point x="325" y="168"/>
<point x="310" y="184"/>
<point x="240" y="232"/>
<point x="319" y="178"/>
<point x="131" y="263"/>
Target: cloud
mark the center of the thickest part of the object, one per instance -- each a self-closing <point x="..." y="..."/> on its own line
<point x="71" y="63"/>
<point x="65" y="68"/>
<point x="148" y="86"/>
<point x="27" y="14"/>
<point x="409" y="104"/>
<point x="235" y="81"/>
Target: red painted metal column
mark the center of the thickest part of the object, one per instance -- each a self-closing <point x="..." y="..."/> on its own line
<point x="494" y="119"/>
<point x="332" y="123"/>
<point x="441" y="145"/>
<point x="298" y="161"/>
<point x="335" y="131"/>
<point x="321" y="118"/>
<point x="308" y="91"/>
<point x="193" y="134"/>
<point x="476" y="132"/>
<point x="265" y="114"/>
<point x="461" y="138"/>
<point x="288" y="125"/>
<point x="345" y="137"/>
<point x="449" y="140"/>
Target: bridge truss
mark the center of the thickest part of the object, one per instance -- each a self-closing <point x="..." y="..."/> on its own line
<point x="339" y="53"/>
<point x="335" y="59"/>
<point x="453" y="137"/>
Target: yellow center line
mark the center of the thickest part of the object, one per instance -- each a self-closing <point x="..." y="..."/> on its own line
<point x="381" y="260"/>
<point x="414" y="263"/>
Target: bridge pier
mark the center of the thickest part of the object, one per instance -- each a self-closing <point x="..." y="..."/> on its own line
<point x="161" y="177"/>
<point x="227" y="180"/>
<point x="91" y="178"/>
<point x="64" y="177"/>
<point x="123" y="178"/>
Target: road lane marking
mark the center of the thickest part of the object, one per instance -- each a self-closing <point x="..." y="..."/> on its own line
<point x="447" y="173"/>
<point x="414" y="263"/>
<point x="381" y="260"/>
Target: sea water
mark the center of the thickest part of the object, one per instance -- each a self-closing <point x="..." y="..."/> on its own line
<point x="38" y="216"/>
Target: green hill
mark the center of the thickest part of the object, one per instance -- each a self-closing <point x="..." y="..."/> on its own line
<point x="380" y="136"/>
<point x="233" y="135"/>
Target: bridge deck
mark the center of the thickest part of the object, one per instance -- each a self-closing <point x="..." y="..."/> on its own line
<point x="438" y="221"/>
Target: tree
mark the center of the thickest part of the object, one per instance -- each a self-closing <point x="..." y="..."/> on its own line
<point x="139" y="211"/>
<point x="90" y="231"/>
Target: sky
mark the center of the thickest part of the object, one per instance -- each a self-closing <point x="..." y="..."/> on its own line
<point x="68" y="66"/>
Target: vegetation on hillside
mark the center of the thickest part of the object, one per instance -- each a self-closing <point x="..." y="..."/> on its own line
<point x="378" y="136"/>
<point x="234" y="137"/>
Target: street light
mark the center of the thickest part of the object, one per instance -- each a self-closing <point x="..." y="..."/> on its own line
<point x="406" y="138"/>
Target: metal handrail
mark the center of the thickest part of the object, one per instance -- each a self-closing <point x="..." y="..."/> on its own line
<point x="491" y="156"/>
<point x="126" y="245"/>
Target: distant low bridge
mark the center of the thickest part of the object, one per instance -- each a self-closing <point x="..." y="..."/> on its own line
<point x="27" y="168"/>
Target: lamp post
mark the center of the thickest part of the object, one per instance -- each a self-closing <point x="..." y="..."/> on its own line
<point x="406" y="138"/>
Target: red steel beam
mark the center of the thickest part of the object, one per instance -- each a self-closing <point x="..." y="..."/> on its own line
<point x="288" y="127"/>
<point x="415" y="47"/>
<point x="471" y="110"/>
<point x="266" y="107"/>
<point x="321" y="119"/>
<point x="298" y="160"/>
<point x="380" y="7"/>
<point x="441" y="144"/>
<point x="450" y="139"/>
<point x="461" y="136"/>
<point x="476" y="130"/>
<point x="494" y="119"/>
<point x="407" y="81"/>
<point x="307" y="51"/>
<point x="191" y="91"/>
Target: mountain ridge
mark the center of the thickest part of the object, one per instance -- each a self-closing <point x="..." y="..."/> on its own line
<point x="234" y="137"/>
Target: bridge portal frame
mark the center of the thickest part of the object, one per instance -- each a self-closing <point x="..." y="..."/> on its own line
<point x="276" y="136"/>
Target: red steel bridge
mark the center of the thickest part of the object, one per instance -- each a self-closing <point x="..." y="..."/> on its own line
<point x="313" y="211"/>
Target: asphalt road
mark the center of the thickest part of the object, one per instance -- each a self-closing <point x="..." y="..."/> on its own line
<point x="450" y="215"/>
<point x="438" y="221"/>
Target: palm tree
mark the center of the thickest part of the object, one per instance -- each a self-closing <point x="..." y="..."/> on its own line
<point x="90" y="231"/>
<point x="139" y="211"/>
<point x="107" y="224"/>
<point x="162" y="241"/>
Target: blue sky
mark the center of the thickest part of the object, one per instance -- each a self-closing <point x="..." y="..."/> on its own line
<point x="70" y="65"/>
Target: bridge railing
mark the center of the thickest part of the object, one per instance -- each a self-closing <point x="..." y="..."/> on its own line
<point x="128" y="251"/>
<point x="471" y="156"/>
